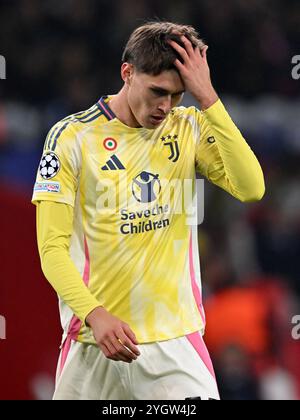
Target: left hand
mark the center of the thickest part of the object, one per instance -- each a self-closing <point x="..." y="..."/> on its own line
<point x="195" y="72"/>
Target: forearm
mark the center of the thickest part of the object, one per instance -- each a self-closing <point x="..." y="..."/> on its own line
<point x="54" y="227"/>
<point x="242" y="173"/>
<point x="63" y="276"/>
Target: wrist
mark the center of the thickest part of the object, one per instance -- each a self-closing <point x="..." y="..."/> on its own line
<point x="208" y="99"/>
<point x="94" y="314"/>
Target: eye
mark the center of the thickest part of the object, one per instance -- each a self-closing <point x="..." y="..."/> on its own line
<point x="158" y="92"/>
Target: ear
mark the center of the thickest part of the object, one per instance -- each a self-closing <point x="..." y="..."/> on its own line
<point x="127" y="72"/>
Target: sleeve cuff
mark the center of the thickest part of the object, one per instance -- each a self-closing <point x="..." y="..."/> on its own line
<point x="214" y="111"/>
<point x="94" y="304"/>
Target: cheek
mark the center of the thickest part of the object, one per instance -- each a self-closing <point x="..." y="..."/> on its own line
<point x="141" y="102"/>
<point x="134" y="101"/>
<point x="143" y="105"/>
<point x="149" y="105"/>
<point x="138" y="106"/>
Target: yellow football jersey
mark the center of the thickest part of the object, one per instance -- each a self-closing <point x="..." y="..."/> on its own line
<point x="135" y="224"/>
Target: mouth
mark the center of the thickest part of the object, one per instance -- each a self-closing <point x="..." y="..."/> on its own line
<point x="157" y="119"/>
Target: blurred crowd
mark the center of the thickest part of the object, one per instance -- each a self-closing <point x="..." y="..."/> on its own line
<point x="69" y="50"/>
<point x="63" y="55"/>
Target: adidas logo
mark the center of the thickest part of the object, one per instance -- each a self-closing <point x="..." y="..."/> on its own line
<point x="113" y="164"/>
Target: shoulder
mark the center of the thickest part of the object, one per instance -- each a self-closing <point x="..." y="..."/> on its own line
<point x="68" y="129"/>
<point x="191" y="114"/>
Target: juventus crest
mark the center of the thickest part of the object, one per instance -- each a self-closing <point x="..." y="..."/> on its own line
<point x="172" y="142"/>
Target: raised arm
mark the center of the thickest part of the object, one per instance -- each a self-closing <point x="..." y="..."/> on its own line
<point x="225" y="159"/>
<point x="222" y="155"/>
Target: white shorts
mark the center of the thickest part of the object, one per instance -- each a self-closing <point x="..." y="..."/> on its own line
<point x="169" y="370"/>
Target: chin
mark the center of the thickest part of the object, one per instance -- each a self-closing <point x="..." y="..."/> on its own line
<point x="150" y="126"/>
<point x="147" y="125"/>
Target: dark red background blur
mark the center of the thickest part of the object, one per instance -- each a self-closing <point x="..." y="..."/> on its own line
<point x="29" y="353"/>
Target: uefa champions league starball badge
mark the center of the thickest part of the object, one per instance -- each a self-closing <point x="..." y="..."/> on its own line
<point x="49" y="166"/>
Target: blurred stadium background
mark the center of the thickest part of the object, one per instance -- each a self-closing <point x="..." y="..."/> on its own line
<point x="62" y="55"/>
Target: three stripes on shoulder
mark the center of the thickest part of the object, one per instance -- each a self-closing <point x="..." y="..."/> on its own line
<point x="80" y="117"/>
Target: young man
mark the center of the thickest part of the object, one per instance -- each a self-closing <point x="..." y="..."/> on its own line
<point x="122" y="260"/>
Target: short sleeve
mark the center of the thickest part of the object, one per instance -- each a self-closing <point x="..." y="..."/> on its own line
<point x="59" y="168"/>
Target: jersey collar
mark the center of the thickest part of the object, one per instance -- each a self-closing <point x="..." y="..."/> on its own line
<point x="102" y="104"/>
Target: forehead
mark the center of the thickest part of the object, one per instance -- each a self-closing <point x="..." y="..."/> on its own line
<point x="168" y="80"/>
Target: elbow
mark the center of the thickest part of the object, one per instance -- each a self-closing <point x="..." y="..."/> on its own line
<point x="254" y="195"/>
<point x="258" y="189"/>
<point x="44" y="258"/>
<point x="49" y="256"/>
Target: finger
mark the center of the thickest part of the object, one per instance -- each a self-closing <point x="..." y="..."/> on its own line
<point x="130" y="334"/>
<point x="179" y="65"/>
<point x="123" y="352"/>
<point x="188" y="45"/>
<point x="107" y="353"/>
<point x="198" y="52"/>
<point x="128" y="344"/>
<point x="114" y="351"/>
<point x="181" y="51"/>
<point x="204" y="53"/>
<point x="125" y="359"/>
<point x="123" y="348"/>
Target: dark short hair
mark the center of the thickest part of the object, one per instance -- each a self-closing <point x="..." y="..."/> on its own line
<point x="148" y="50"/>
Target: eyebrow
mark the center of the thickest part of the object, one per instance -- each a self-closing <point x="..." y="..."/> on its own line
<point x="165" y="91"/>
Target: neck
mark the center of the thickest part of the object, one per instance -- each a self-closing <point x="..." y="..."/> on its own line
<point x="120" y="107"/>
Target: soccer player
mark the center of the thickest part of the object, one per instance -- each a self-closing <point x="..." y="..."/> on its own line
<point x="123" y="262"/>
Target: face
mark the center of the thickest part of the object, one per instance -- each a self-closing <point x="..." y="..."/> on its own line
<point x="151" y="98"/>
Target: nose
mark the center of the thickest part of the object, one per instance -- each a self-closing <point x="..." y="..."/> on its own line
<point x="165" y="105"/>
